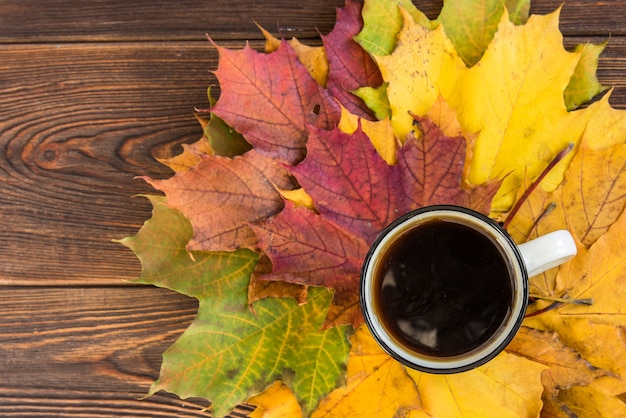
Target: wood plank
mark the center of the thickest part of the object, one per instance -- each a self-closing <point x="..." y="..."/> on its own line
<point x="77" y="130"/>
<point x="90" y="351"/>
<point x="586" y="17"/>
<point x="122" y="20"/>
<point x="66" y="332"/>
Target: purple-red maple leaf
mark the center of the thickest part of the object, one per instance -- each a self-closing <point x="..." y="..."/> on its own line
<point x="356" y="194"/>
<point x="350" y="66"/>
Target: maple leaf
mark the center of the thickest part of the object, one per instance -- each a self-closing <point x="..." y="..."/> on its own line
<point x="277" y="401"/>
<point x="591" y="199"/>
<point x="350" y="66"/>
<point x="471" y="25"/>
<point x="220" y="195"/>
<point x="356" y="194"/>
<point x="230" y="352"/>
<point x="573" y="205"/>
<point x="377" y="385"/>
<point x="516" y="137"/>
<point x="566" y="367"/>
<point x="507" y="386"/>
<point x="340" y="65"/>
<point x="270" y="99"/>
<point x="591" y="204"/>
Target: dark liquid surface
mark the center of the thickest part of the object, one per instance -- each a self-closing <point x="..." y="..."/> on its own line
<point x="444" y="289"/>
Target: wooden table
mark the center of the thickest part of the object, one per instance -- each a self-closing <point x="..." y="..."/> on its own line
<point x="90" y="92"/>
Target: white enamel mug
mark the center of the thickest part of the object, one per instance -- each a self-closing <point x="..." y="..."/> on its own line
<point x="438" y="336"/>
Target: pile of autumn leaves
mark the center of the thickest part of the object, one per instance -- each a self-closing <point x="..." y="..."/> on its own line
<point x="310" y="152"/>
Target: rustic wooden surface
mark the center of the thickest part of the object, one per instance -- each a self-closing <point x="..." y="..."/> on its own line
<point x="90" y="92"/>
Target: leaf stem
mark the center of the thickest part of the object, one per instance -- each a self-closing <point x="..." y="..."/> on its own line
<point x="535" y="183"/>
<point x="548" y="308"/>
<point x="588" y="301"/>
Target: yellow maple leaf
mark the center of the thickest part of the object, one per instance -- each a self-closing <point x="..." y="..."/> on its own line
<point x="507" y="386"/>
<point x="592" y="403"/>
<point x="277" y="401"/>
<point x="423" y="66"/>
<point x="598" y="273"/>
<point x="596" y="332"/>
<point x="588" y="202"/>
<point x="377" y="385"/>
<point x="513" y="99"/>
<point x="566" y="368"/>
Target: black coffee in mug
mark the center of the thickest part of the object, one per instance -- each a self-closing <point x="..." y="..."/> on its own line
<point x="443" y="288"/>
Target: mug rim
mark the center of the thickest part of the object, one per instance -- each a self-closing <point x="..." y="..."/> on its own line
<point x="486" y="351"/>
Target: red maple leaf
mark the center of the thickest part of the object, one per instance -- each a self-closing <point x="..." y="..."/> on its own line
<point x="270" y="99"/>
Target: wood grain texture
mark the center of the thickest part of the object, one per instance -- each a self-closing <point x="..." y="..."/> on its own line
<point x="586" y="17"/>
<point x="90" y="93"/>
<point x="102" y="20"/>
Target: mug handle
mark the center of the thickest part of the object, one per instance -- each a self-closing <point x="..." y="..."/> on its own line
<point x="548" y="251"/>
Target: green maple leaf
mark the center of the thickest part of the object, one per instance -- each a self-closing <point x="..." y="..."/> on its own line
<point x="584" y="84"/>
<point x="471" y="25"/>
<point x="382" y="21"/>
<point x="232" y="351"/>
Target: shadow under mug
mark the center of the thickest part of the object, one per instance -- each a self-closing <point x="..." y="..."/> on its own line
<point x="444" y="289"/>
